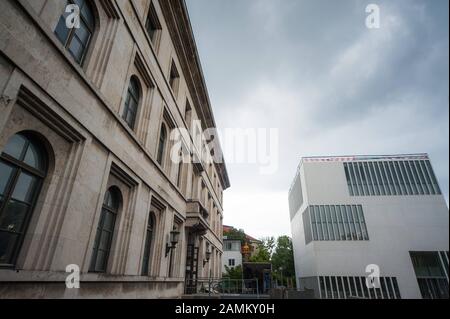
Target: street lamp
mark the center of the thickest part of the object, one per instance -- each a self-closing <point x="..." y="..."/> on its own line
<point x="174" y="238"/>
<point x="207" y="257"/>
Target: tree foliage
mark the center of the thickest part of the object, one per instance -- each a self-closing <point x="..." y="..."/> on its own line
<point x="236" y="234"/>
<point x="233" y="272"/>
<point x="264" y="251"/>
<point x="283" y="258"/>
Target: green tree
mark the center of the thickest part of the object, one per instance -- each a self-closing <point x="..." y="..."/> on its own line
<point x="283" y="258"/>
<point x="264" y="251"/>
<point x="233" y="272"/>
<point x="236" y="234"/>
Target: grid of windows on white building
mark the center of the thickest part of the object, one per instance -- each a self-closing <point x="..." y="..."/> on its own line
<point x="391" y="178"/>
<point x="334" y="223"/>
<point x="431" y="270"/>
<point x="332" y="287"/>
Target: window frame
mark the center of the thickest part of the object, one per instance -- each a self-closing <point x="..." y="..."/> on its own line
<point x="153" y="19"/>
<point x="19" y="166"/>
<point x="148" y="244"/>
<point x="134" y="81"/>
<point x="72" y="32"/>
<point x="112" y="190"/>
<point x="162" y="145"/>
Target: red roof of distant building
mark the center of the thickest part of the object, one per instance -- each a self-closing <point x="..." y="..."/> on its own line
<point x="230" y="228"/>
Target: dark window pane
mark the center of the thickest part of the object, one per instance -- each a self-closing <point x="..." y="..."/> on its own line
<point x="414" y="190"/>
<point x="105" y="241"/>
<point x="8" y="243"/>
<point x="427" y="264"/>
<point x="61" y="31"/>
<point x="6" y="173"/>
<point x="349" y="182"/>
<point x="318" y="222"/>
<point x="330" y="222"/>
<point x="112" y="200"/>
<point x="76" y="49"/>
<point x="13" y="217"/>
<point x="346" y="287"/>
<point x="34" y="158"/>
<point x="162" y="145"/>
<point x="433" y="178"/>
<point x="83" y="34"/>
<point x="15" y="146"/>
<point x="109" y="221"/>
<point x="363" y="179"/>
<point x="24" y="188"/>
<point x="324" y="223"/>
<point x="86" y="14"/>
<point x="100" y="264"/>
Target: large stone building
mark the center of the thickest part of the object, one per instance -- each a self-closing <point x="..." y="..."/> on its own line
<point x="86" y="176"/>
<point x="366" y="217"/>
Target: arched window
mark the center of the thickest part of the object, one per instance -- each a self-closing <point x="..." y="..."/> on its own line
<point x="162" y="144"/>
<point x="23" y="167"/>
<point x="77" y="40"/>
<point x="148" y="244"/>
<point x="105" y="230"/>
<point x="132" y="102"/>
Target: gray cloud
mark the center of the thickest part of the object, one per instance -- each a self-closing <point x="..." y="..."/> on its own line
<point x="333" y="87"/>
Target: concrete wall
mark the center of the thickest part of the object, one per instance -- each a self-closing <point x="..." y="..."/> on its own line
<point x="77" y="109"/>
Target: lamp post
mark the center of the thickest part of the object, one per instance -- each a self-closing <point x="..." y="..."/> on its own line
<point x="207" y="257"/>
<point x="173" y="238"/>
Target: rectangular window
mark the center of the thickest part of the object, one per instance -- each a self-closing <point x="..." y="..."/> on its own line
<point x="399" y="176"/>
<point x="369" y="180"/>
<point x="340" y="223"/>
<point x="391" y="178"/>
<point x="349" y="180"/>
<point x="356" y="181"/>
<point x="363" y="179"/>
<point x="384" y="181"/>
<point x="313" y="223"/>
<point x="433" y="178"/>
<point x="152" y="25"/>
<point x="334" y="223"/>
<point x="323" y="217"/>
<point x="427" y="177"/>
<point x="357" y="224"/>
<point x="330" y="223"/>
<point x="431" y="273"/>
<point x="318" y="222"/>
<point x="174" y="78"/>
<point x="355" y="287"/>
<point x="374" y="178"/>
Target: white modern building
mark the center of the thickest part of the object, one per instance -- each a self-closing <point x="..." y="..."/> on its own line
<point x="352" y="215"/>
<point x="232" y="255"/>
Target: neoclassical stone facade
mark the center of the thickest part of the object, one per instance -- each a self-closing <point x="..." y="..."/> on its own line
<point x="86" y="176"/>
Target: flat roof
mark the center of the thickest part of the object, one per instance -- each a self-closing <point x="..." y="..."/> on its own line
<point x="349" y="158"/>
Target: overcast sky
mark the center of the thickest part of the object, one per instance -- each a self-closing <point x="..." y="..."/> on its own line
<point x="332" y="86"/>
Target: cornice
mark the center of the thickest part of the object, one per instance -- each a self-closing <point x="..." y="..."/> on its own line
<point x="180" y="29"/>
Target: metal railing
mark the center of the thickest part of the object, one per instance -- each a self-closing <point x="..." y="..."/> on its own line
<point x="216" y="287"/>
